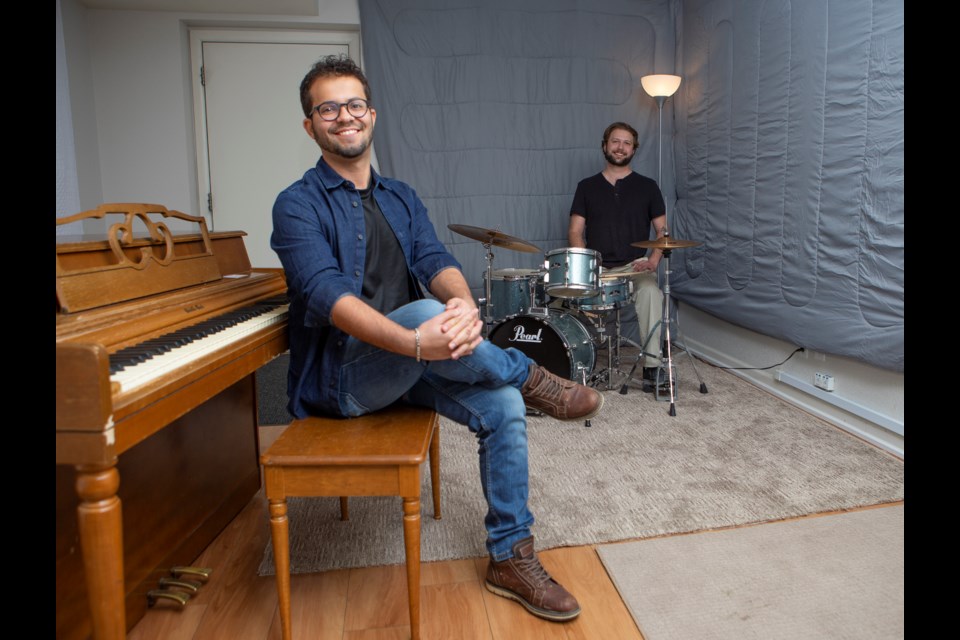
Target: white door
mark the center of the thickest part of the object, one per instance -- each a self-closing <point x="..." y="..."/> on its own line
<point x="250" y="138"/>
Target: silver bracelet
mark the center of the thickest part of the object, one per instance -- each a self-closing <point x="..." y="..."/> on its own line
<point x="416" y="334"/>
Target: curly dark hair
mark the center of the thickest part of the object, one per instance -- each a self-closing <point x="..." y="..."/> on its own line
<point x="620" y="125"/>
<point x="332" y="66"/>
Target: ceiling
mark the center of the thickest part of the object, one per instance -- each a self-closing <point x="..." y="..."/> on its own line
<point x="254" y="7"/>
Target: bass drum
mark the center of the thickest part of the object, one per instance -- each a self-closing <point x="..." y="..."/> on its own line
<point x="558" y="342"/>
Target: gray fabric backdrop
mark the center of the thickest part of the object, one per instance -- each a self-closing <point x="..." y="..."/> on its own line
<point x="790" y="169"/>
<point x="494" y="111"/>
<point x="787" y="128"/>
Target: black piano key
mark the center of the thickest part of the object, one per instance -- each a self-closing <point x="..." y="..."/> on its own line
<point x="138" y="353"/>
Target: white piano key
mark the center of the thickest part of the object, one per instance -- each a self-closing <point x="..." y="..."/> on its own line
<point x="179" y="357"/>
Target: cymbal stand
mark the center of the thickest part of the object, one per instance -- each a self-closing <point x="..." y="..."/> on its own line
<point x="665" y="339"/>
<point x="488" y="301"/>
<point x="665" y="244"/>
<point x="667" y="342"/>
<point x="685" y="349"/>
<point x="609" y="340"/>
<point x="613" y="347"/>
<point x="600" y="323"/>
<point x="617" y="347"/>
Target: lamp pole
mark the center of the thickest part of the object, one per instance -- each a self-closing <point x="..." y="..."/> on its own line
<point x="660" y="87"/>
<point x="660" y="100"/>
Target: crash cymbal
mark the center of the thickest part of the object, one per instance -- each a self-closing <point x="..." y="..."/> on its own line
<point x="489" y="236"/>
<point x="666" y="243"/>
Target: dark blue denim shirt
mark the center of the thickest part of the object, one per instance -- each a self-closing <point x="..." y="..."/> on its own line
<point x="320" y="236"/>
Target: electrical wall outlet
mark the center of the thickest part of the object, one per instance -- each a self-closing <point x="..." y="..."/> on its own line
<point x="823" y="381"/>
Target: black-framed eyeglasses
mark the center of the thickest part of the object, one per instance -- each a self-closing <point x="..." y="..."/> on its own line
<point x="357" y="107"/>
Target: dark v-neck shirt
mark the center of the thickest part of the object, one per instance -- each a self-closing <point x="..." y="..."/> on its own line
<point x="387" y="284"/>
<point x="617" y="215"/>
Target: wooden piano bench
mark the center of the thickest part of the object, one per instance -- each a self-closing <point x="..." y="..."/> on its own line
<point x="378" y="454"/>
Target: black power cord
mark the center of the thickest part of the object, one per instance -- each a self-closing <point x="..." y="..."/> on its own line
<point x="716" y="366"/>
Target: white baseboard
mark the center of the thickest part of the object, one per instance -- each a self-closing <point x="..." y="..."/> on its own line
<point x="876" y="429"/>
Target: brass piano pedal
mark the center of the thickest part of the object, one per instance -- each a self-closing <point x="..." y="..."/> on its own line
<point x="189" y="585"/>
<point x="177" y="596"/>
<point x="194" y="572"/>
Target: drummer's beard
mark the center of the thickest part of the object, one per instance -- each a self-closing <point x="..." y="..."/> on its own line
<point x="619" y="162"/>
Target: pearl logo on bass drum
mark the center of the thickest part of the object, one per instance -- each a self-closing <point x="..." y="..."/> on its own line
<point x="520" y="335"/>
<point x="557" y="341"/>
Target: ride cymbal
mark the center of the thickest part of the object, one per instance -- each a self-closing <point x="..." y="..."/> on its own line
<point x="496" y="238"/>
<point x="666" y="243"/>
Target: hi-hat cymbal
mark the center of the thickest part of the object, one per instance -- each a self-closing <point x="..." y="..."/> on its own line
<point x="666" y="243"/>
<point x="489" y="236"/>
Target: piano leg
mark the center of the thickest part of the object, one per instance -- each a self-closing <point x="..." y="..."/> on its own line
<point x="101" y="539"/>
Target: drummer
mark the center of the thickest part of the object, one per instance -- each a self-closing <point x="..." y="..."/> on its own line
<point x="613" y="209"/>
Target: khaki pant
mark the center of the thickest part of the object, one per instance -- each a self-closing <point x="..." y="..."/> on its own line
<point x="648" y="302"/>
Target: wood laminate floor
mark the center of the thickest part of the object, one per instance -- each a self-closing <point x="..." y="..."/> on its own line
<point x="371" y="603"/>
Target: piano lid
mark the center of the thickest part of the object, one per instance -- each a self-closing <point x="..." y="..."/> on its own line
<point x="144" y="258"/>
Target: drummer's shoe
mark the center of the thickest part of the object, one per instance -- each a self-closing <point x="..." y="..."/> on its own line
<point x="651" y="387"/>
<point x="558" y="397"/>
<point x="652" y="378"/>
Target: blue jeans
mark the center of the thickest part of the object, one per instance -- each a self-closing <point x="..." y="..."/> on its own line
<point x="481" y="391"/>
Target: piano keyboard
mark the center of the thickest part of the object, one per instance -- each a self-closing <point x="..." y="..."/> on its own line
<point x="140" y="364"/>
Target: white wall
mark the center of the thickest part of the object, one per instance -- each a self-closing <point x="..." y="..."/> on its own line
<point x="68" y="191"/>
<point x="131" y="103"/>
<point x="79" y="104"/>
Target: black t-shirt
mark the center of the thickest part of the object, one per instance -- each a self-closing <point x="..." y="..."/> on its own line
<point x="387" y="283"/>
<point x="617" y="215"/>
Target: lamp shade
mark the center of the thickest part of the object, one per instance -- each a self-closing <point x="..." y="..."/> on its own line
<point x="660" y="85"/>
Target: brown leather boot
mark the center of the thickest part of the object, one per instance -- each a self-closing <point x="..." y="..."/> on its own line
<point x="523" y="578"/>
<point x="559" y="397"/>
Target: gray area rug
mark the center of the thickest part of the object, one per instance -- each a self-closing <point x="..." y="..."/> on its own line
<point x="836" y="577"/>
<point x="734" y="456"/>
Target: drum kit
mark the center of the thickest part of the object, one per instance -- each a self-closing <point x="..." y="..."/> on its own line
<point x="558" y="314"/>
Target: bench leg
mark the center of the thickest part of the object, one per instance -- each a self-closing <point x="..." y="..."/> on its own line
<point x="344" y="508"/>
<point x="279" y="531"/>
<point x="411" y="542"/>
<point x="435" y="471"/>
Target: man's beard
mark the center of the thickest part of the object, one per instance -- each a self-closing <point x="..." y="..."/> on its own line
<point x="332" y="144"/>
<point x="618" y="163"/>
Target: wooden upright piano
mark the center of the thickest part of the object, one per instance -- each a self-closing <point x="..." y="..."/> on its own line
<point x="158" y="339"/>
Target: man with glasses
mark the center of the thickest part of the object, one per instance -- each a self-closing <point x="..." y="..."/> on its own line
<point x="610" y="211"/>
<point x="355" y="248"/>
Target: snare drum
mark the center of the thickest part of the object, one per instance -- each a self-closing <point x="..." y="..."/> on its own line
<point x="613" y="292"/>
<point x="511" y="291"/>
<point x="558" y="342"/>
<point x="573" y="272"/>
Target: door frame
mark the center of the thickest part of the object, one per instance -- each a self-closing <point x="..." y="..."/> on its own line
<point x="198" y="36"/>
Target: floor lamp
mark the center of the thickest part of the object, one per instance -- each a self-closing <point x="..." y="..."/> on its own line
<point x="660" y="87"/>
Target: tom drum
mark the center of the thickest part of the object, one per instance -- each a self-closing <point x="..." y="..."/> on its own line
<point x="613" y="293"/>
<point x="573" y="272"/>
<point x="513" y="290"/>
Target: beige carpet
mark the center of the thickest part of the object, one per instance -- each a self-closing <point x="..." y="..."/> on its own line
<point x="836" y="577"/>
<point x="734" y="456"/>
